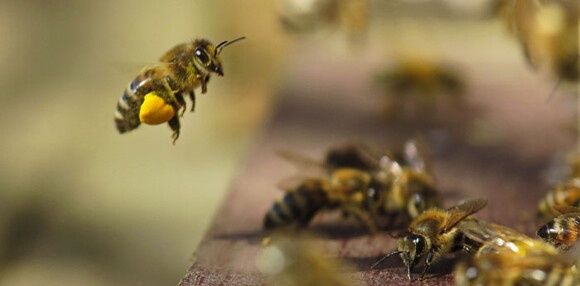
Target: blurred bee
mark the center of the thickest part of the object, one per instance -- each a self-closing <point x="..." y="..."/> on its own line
<point x="296" y="260"/>
<point x="507" y="269"/>
<point x="393" y="188"/>
<point x="405" y="188"/>
<point x="310" y="15"/>
<point x="418" y="83"/>
<point x="437" y="232"/>
<point x="548" y="33"/>
<point x="157" y="94"/>
<point x="567" y="194"/>
<point x="562" y="232"/>
<point x="345" y="189"/>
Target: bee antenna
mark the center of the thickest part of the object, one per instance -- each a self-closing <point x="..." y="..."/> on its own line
<point x="223" y="44"/>
<point x="385" y="258"/>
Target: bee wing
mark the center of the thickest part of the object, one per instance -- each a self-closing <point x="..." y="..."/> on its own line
<point x="300" y="161"/>
<point x="566" y="209"/>
<point x="484" y="232"/>
<point x="414" y="154"/>
<point x="461" y="211"/>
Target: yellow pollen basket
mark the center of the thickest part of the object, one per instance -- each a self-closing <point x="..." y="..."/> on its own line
<point x="154" y="110"/>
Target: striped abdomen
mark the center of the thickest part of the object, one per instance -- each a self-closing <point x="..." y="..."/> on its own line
<point x="563" y="195"/>
<point x="297" y="207"/>
<point x="128" y="107"/>
<point x="561" y="232"/>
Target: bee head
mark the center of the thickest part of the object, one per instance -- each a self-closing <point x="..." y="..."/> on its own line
<point x="412" y="247"/>
<point x="208" y="55"/>
<point x="205" y="57"/>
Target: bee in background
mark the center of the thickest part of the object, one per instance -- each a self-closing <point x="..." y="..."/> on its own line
<point x="157" y="94"/>
<point x="507" y="269"/>
<point x="345" y="189"/>
<point x="548" y="33"/>
<point x="397" y="187"/>
<point x="562" y="231"/>
<point x="346" y="156"/>
<point x="308" y="16"/>
<point x="566" y="194"/>
<point x="417" y="84"/>
<point x="405" y="188"/>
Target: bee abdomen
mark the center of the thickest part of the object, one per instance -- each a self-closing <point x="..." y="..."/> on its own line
<point x="295" y="207"/>
<point x="127" y="113"/>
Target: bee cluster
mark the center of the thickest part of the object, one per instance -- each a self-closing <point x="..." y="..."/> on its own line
<point x="372" y="187"/>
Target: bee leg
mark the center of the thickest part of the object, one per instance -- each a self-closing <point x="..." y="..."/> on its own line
<point x="192" y="97"/>
<point x="428" y="262"/>
<point x="174" y="124"/>
<point x="204" y="85"/>
<point x="181" y="102"/>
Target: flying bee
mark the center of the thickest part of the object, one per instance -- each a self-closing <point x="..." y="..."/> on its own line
<point x="548" y="33"/>
<point x="343" y="189"/>
<point x="562" y="232"/>
<point x="157" y="94"/>
<point x="566" y="194"/>
<point x="507" y="269"/>
<point x="310" y="15"/>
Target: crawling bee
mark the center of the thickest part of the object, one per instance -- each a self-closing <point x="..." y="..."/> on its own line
<point x="396" y="187"/>
<point x="566" y="194"/>
<point x="548" y="33"/>
<point x="434" y="233"/>
<point x="157" y="94"/>
<point x="405" y="188"/>
<point x="437" y="232"/>
<point x="507" y="269"/>
<point x="562" y="232"/>
<point x="343" y="189"/>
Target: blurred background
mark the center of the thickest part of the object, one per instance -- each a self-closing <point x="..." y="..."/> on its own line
<point x="83" y="205"/>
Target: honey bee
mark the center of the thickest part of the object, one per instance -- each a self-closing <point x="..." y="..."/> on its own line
<point x="296" y="260"/>
<point x="566" y="194"/>
<point x="548" y="33"/>
<point x="345" y="189"/>
<point x="418" y="83"/>
<point x="310" y="15"/>
<point x="157" y="94"/>
<point x="507" y="269"/>
<point x="436" y="232"/>
<point x="390" y="188"/>
<point x="562" y="232"/>
<point x="405" y="188"/>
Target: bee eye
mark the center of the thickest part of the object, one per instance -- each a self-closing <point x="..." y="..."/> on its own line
<point x="202" y="56"/>
<point x="419" y="243"/>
